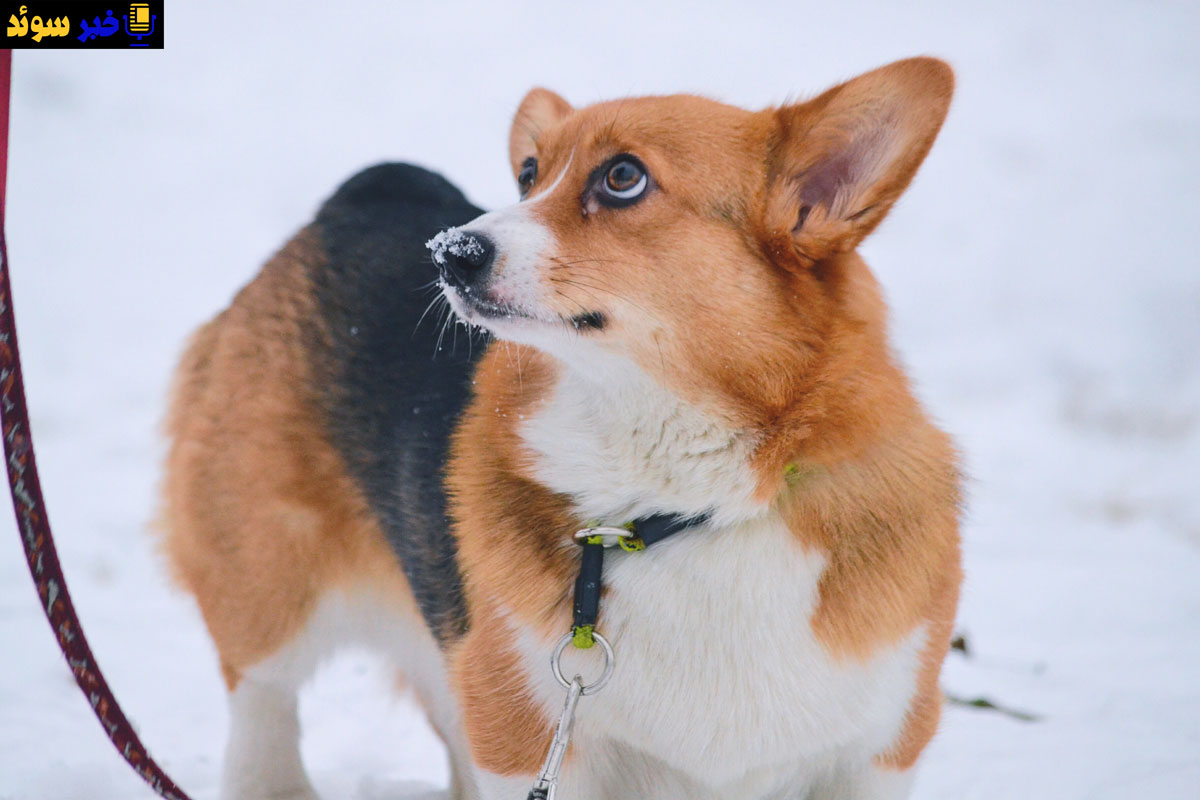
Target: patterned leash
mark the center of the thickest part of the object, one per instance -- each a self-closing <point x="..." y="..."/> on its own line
<point x="33" y="523"/>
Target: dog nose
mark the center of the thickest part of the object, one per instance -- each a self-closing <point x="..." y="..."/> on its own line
<point x="467" y="258"/>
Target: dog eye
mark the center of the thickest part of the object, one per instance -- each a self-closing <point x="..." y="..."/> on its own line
<point x="527" y="176"/>
<point x="625" y="181"/>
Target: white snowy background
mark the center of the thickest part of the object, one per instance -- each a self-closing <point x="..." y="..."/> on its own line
<point x="1042" y="271"/>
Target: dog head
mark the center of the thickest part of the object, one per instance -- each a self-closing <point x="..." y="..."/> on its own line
<point x="709" y="246"/>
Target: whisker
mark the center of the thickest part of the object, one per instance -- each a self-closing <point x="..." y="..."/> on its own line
<point x="569" y="261"/>
<point x="426" y="286"/>
<point x="437" y="348"/>
<point x="582" y="308"/>
<point x="520" y="373"/>
<point x="429" y="308"/>
<point x="579" y="285"/>
<point x="604" y="289"/>
<point x="508" y="351"/>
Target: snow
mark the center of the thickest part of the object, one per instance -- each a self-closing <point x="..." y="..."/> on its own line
<point x="1042" y="272"/>
<point x="455" y="242"/>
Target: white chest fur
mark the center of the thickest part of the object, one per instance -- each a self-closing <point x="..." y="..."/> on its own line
<point x="719" y="676"/>
<point x="718" y="673"/>
<point x="623" y="447"/>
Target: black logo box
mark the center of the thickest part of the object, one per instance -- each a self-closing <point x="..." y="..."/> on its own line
<point x="89" y="25"/>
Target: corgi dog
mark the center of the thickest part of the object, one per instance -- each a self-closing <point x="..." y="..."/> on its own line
<point x="672" y="323"/>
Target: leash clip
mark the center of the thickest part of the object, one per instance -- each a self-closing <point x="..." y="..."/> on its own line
<point x="545" y="787"/>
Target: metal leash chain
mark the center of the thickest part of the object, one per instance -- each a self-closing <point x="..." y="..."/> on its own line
<point x="582" y="635"/>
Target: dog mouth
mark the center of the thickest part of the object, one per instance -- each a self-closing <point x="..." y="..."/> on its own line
<point x="480" y="309"/>
<point x="488" y="308"/>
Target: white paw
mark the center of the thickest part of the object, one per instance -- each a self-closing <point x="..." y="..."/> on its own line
<point x="262" y="793"/>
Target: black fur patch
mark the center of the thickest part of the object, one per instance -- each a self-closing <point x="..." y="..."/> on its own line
<point x="390" y="401"/>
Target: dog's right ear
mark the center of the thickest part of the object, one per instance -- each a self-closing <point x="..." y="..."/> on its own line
<point x="841" y="159"/>
<point x="541" y="109"/>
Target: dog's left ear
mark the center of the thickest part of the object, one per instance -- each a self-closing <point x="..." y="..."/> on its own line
<point x="839" y="161"/>
<point x="541" y="109"/>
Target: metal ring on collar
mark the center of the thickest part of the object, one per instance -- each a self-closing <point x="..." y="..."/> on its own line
<point x="609" y="537"/>
<point x="591" y="688"/>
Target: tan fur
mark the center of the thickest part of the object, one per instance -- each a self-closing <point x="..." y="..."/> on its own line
<point x="261" y="518"/>
<point x="888" y="521"/>
<point x="507" y="730"/>
<point x="926" y="709"/>
<point x="509" y="531"/>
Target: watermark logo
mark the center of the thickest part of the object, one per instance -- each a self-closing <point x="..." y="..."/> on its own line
<point x="81" y="25"/>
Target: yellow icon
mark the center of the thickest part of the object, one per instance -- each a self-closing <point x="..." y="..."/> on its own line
<point x="139" y="18"/>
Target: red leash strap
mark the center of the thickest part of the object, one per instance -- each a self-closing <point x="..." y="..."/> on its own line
<point x="5" y="85"/>
<point x="33" y="523"/>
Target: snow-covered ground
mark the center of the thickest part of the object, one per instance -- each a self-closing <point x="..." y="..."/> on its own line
<point x="1043" y="273"/>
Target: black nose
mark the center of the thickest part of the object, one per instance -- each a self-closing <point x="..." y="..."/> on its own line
<point x="467" y="258"/>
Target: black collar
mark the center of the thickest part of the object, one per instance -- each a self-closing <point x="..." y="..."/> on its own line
<point x="655" y="528"/>
<point x="645" y="532"/>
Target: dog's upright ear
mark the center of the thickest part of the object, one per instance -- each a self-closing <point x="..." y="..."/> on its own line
<point x="540" y="110"/>
<point x="839" y="161"/>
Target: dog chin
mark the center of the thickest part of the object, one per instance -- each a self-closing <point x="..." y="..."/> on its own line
<point x="558" y="337"/>
<point x="503" y="323"/>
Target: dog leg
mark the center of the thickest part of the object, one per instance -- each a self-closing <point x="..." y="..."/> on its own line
<point x="462" y="781"/>
<point x="499" y="787"/>
<point x="867" y="782"/>
<point x="262" y="756"/>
